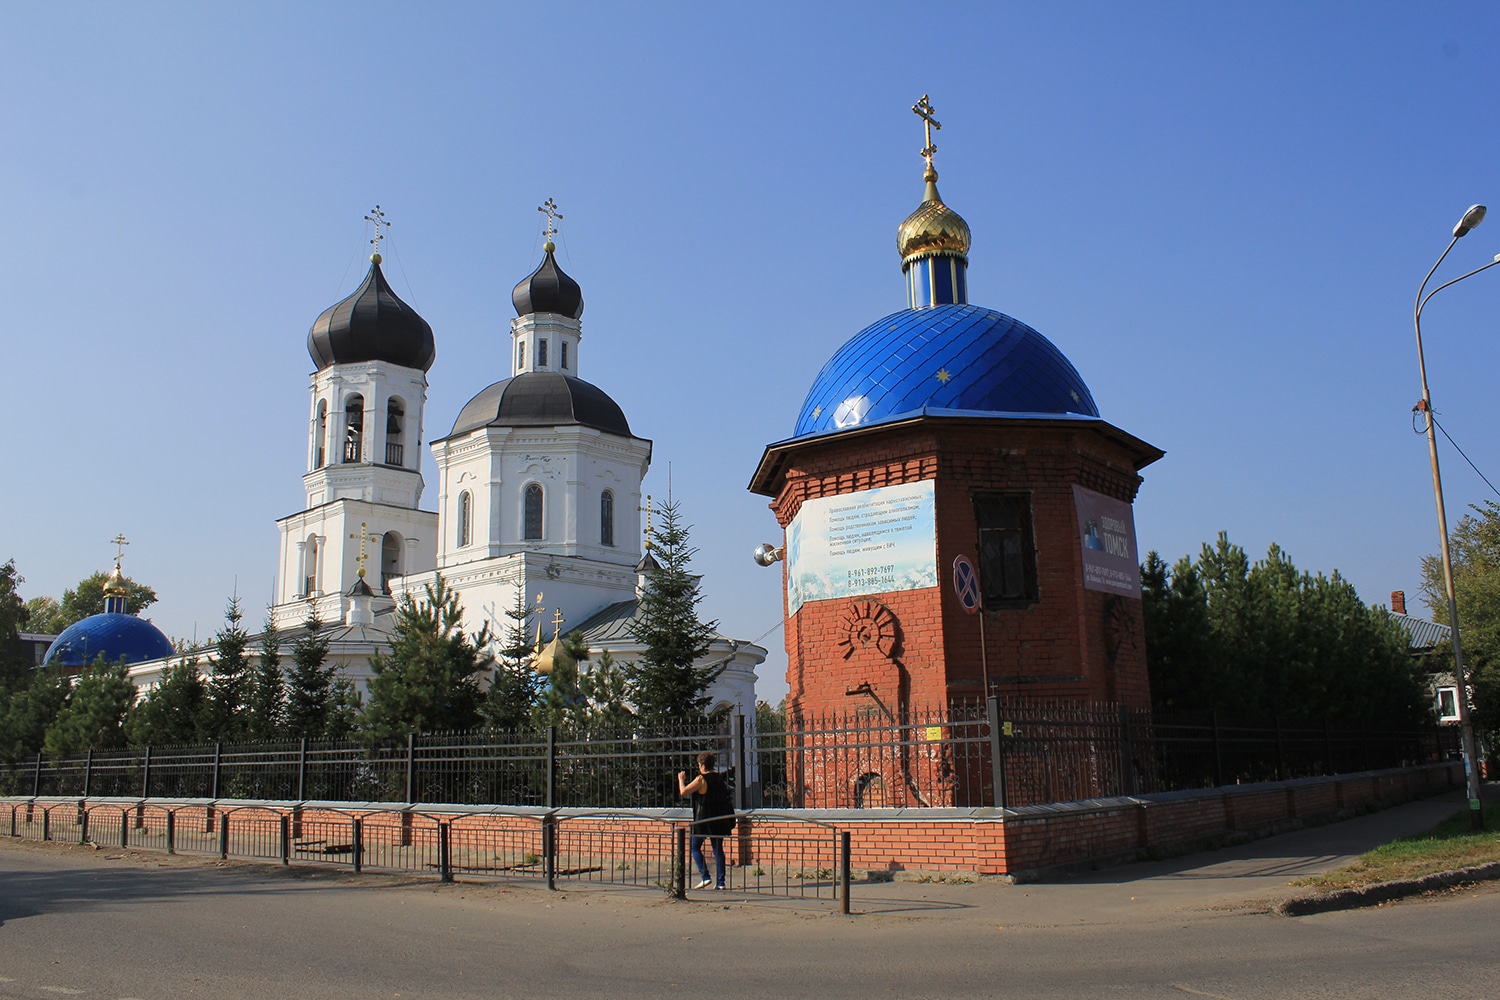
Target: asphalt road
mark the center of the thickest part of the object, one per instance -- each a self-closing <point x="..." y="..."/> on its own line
<point x="103" y="924"/>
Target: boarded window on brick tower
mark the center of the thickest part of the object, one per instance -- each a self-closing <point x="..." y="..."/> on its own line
<point x="1007" y="552"/>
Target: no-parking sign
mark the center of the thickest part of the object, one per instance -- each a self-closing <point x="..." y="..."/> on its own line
<point x="966" y="584"/>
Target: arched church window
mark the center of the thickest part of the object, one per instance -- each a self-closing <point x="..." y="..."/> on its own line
<point x="521" y="356"/>
<point x="354" y="428"/>
<point x="562" y="355"/>
<point x="310" y="566"/>
<point x="533" y="519"/>
<point x="390" y="560"/>
<point x="320" y="436"/>
<point x="606" y="518"/>
<point x="465" y="517"/>
<point x="541" y="354"/>
<point x="395" y="417"/>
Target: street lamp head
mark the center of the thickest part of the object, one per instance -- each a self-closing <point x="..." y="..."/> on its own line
<point x="1473" y="217"/>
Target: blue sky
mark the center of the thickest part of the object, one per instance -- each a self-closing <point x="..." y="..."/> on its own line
<point x="1219" y="212"/>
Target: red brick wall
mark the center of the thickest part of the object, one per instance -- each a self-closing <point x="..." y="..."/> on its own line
<point x="1073" y="644"/>
<point x="1026" y="840"/>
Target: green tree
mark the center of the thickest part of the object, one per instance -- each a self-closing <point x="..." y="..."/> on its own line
<point x="268" y="689"/>
<point x="42" y="612"/>
<point x="309" y="688"/>
<point x="345" y="707"/>
<point x="15" y="672"/>
<point x="1266" y="638"/>
<point x="232" y="684"/>
<point x="30" y="711"/>
<point x="94" y="717"/>
<point x="665" y="683"/>
<point x="514" y="685"/>
<point x="562" y="702"/>
<point x="430" y="679"/>
<point x="1475" y="548"/>
<point x="175" y="712"/>
<point x="87" y="599"/>
<point x="607" y="693"/>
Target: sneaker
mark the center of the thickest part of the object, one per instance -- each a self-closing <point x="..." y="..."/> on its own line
<point x="721" y="887"/>
<point x="703" y="884"/>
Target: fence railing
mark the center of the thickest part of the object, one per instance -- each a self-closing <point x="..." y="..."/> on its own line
<point x="538" y="846"/>
<point x="996" y="753"/>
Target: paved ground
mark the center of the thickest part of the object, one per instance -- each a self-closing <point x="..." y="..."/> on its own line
<point x="75" y="922"/>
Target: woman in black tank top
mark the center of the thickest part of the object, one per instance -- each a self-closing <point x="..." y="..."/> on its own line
<point x="713" y="816"/>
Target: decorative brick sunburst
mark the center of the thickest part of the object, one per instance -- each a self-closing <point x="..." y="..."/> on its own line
<point x="868" y="625"/>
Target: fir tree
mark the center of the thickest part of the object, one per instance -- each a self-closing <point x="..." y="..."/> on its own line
<point x="268" y="689"/>
<point x="1266" y="639"/>
<point x="94" y="716"/>
<point x="176" y="711"/>
<point x="345" y="706"/>
<point x="430" y="679"/>
<point x="665" y="684"/>
<point x="230" y="689"/>
<point x="310" y="683"/>
<point x="514" y="685"/>
<point x="562" y="702"/>
<point x="607" y="694"/>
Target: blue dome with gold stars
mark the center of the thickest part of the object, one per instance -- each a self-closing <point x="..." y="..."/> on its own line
<point x="115" y="636"/>
<point x="952" y="360"/>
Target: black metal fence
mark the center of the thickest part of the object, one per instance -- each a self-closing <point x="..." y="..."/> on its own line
<point x="983" y="754"/>
<point x="811" y="860"/>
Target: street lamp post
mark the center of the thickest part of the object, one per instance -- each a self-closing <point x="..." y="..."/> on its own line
<point x="1473" y="217"/>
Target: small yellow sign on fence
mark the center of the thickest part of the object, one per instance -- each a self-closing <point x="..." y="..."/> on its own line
<point x="934" y="732"/>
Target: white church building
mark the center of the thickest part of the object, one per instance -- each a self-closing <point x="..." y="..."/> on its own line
<point x="539" y="490"/>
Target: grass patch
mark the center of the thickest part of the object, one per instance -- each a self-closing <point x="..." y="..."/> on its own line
<point x="1450" y="845"/>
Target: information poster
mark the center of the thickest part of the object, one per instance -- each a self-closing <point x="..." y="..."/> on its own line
<point x="1109" y="556"/>
<point x="871" y="542"/>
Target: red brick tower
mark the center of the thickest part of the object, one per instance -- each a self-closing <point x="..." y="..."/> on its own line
<point x="946" y="438"/>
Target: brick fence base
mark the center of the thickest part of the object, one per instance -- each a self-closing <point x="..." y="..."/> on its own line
<point x="1026" y="842"/>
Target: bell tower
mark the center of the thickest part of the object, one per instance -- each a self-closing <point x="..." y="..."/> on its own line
<point x="372" y="353"/>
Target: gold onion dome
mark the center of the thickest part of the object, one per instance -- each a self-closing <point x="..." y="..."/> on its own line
<point x="553" y="656"/>
<point x="115" y="585"/>
<point x="933" y="229"/>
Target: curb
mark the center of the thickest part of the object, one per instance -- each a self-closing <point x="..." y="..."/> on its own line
<point x="1383" y="892"/>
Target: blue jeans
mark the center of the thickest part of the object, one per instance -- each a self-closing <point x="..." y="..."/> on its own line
<point x="718" y="846"/>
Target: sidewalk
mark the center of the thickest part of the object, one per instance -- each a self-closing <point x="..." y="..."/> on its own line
<point x="1252" y="876"/>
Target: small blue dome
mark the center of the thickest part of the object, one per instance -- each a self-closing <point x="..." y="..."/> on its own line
<point x="114" y="635"/>
<point x="962" y="360"/>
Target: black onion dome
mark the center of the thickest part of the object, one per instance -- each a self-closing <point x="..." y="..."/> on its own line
<point x="371" y="325"/>
<point x="548" y="289"/>
<point x="542" y="399"/>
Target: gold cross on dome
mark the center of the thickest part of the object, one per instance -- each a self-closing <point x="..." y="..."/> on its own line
<point x="924" y="110"/>
<point x="119" y="542"/>
<point x="647" y="509"/>
<point x="363" y="525"/>
<point x="378" y="217"/>
<point x="557" y="620"/>
<point x="549" y="209"/>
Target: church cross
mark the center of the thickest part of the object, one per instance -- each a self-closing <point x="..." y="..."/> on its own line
<point x="549" y="209"/>
<point x="378" y="217"/>
<point x="557" y="620"/>
<point x="362" y="536"/>
<point x="647" y="509"/>
<point x="119" y="542"/>
<point x="924" y="110"/>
